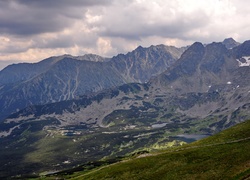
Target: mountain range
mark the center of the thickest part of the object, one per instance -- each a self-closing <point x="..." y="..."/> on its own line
<point x="66" y="77"/>
<point x="206" y="80"/>
<point x="67" y="110"/>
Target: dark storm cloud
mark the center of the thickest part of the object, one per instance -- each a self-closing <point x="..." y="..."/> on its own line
<point x="29" y="17"/>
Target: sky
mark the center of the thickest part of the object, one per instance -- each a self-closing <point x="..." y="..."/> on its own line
<point x="32" y="30"/>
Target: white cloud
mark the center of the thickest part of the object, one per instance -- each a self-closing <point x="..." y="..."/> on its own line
<point x="33" y="30"/>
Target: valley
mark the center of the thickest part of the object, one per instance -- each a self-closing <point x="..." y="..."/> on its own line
<point x="199" y="91"/>
<point x="222" y="156"/>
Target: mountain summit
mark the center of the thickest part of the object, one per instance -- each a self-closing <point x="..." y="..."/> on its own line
<point x="198" y="69"/>
<point x="230" y="43"/>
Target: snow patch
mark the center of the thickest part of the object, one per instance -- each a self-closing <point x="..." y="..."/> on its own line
<point x="160" y="125"/>
<point x="229" y="82"/>
<point x="66" y="162"/>
<point x="244" y="61"/>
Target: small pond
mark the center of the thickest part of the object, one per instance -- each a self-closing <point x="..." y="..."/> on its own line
<point x="190" y="137"/>
<point x="160" y="125"/>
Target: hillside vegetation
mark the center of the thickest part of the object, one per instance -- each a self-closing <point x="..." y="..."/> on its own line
<point x="222" y="156"/>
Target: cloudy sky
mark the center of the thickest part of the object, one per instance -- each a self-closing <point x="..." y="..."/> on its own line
<point x="31" y="30"/>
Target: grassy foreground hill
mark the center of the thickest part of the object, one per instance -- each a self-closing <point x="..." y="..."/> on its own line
<point x="223" y="156"/>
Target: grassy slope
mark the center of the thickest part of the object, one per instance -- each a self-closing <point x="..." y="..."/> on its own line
<point x="216" y="157"/>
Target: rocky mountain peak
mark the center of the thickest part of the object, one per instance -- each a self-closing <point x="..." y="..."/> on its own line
<point x="191" y="58"/>
<point x="142" y="63"/>
<point x="185" y="66"/>
<point x="230" y="43"/>
<point x="198" y="68"/>
<point x="213" y="59"/>
<point x="195" y="47"/>
<point x="86" y="57"/>
<point x="139" y="48"/>
<point x="93" y="57"/>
